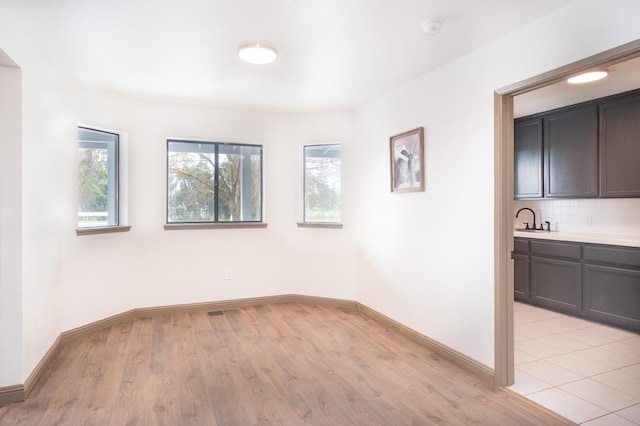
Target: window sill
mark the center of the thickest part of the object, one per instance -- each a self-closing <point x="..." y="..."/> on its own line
<point x="320" y="225"/>
<point x="231" y="225"/>
<point x="102" y="230"/>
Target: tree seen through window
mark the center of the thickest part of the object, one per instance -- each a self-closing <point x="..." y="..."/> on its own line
<point x="214" y="182"/>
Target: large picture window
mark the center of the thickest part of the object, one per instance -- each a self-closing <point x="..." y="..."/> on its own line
<point x="322" y="182"/>
<point x="98" y="178"/>
<point x="213" y="182"/>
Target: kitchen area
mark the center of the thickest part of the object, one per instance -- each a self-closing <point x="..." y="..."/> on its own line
<point x="577" y="247"/>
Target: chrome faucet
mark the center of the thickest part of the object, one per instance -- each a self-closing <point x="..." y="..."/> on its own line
<point x="534" y="217"/>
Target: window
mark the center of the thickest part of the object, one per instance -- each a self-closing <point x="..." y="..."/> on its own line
<point x="322" y="183"/>
<point x="213" y="182"/>
<point x="98" y="178"/>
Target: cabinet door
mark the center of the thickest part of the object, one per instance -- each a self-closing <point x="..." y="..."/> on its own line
<point x="556" y="283"/>
<point x="571" y="153"/>
<point x="521" y="276"/>
<point x="620" y="147"/>
<point x="612" y="294"/>
<point x="527" y="161"/>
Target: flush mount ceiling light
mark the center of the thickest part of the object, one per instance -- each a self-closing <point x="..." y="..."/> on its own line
<point x="588" y="77"/>
<point x="432" y="27"/>
<point x="257" y="53"/>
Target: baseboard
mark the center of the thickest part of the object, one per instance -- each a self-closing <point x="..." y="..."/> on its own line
<point x="223" y="305"/>
<point x="9" y="394"/>
<point x="85" y="330"/>
<point x="484" y="372"/>
<point x="39" y="369"/>
<point x="20" y="392"/>
<point x="324" y="301"/>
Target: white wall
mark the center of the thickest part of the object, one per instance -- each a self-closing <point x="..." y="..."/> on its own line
<point x="107" y="274"/>
<point x="11" y="348"/>
<point x="43" y="110"/>
<point x="44" y="113"/>
<point x="440" y="243"/>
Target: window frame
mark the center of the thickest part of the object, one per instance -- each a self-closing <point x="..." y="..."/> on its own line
<point x="114" y="185"/>
<point x="304" y="222"/>
<point x="216" y="222"/>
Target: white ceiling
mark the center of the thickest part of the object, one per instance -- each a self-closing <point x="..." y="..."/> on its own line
<point x="622" y="77"/>
<point x="333" y="53"/>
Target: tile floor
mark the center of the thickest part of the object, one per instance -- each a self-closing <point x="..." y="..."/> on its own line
<point x="587" y="372"/>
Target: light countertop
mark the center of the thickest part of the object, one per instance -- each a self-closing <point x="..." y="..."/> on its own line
<point x="617" y="240"/>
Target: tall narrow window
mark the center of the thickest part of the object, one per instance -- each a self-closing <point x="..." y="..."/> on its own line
<point x="213" y="182"/>
<point x="98" y="178"/>
<point x="322" y="183"/>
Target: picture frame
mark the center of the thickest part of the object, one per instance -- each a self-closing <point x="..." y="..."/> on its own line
<point x="407" y="161"/>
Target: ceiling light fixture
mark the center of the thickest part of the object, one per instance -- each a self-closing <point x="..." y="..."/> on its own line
<point x="257" y="53"/>
<point x="588" y="77"/>
<point x="432" y="27"/>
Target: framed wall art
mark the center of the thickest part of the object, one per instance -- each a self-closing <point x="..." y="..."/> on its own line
<point x="407" y="161"/>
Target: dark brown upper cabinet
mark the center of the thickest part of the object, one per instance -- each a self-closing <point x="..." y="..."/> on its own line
<point x="571" y="153"/>
<point x="619" y="135"/>
<point x="528" y="158"/>
<point x="582" y="151"/>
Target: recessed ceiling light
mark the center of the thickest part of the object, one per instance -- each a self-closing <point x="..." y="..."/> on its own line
<point x="588" y="77"/>
<point x="257" y="53"/>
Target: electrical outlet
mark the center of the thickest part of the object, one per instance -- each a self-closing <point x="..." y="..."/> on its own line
<point x="228" y="274"/>
<point x="419" y="298"/>
<point x="589" y="221"/>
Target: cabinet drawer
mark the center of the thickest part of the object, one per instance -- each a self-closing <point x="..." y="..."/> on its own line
<point x="521" y="245"/>
<point x="615" y="255"/>
<point x="556" y="249"/>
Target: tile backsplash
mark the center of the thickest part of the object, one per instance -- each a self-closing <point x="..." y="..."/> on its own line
<point x="611" y="216"/>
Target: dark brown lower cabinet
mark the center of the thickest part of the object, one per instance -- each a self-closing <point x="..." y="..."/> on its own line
<point x="556" y="283"/>
<point x="612" y="294"/>
<point x="597" y="282"/>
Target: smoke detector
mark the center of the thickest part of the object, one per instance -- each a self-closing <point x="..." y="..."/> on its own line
<point x="432" y="27"/>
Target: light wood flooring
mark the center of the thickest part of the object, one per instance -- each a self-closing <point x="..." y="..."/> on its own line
<point x="286" y="364"/>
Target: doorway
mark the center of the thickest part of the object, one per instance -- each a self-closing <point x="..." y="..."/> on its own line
<point x="503" y="202"/>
